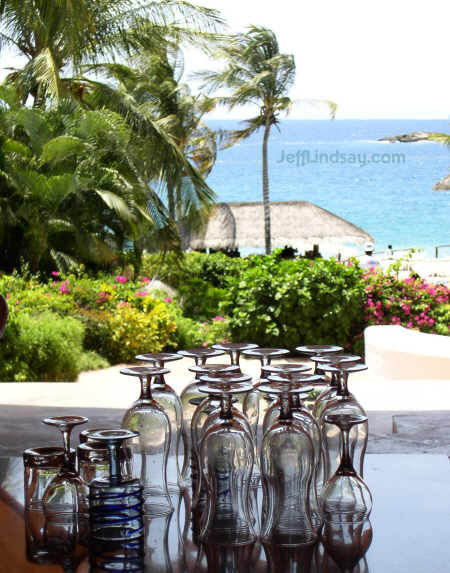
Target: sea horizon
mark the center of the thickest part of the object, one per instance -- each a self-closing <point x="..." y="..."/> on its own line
<point x="332" y="163"/>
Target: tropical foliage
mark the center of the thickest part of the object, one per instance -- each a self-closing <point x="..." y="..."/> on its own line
<point x="100" y="160"/>
<point x="257" y="73"/>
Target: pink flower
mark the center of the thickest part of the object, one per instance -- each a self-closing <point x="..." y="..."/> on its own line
<point x="8" y="296"/>
<point x="122" y="303"/>
<point x="121" y="279"/>
<point x="47" y="294"/>
<point x="63" y="289"/>
<point x="55" y="273"/>
<point x="141" y="293"/>
<point x="168" y="299"/>
<point x="431" y="321"/>
<point x="145" y="280"/>
<point x="218" y="318"/>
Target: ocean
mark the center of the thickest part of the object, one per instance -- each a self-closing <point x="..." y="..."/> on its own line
<point x="384" y="188"/>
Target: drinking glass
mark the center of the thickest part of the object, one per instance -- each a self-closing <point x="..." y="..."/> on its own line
<point x="346" y="501"/>
<point x="318" y="350"/>
<point x="116" y="501"/>
<point x="63" y="498"/>
<point x="342" y="548"/>
<point x="151" y="447"/>
<point x="201" y="354"/>
<point x="227" y="456"/>
<point x="234" y="349"/>
<point x="115" y="509"/>
<point x="343" y="403"/>
<point x="190" y="398"/>
<point x="331" y="391"/>
<point x="255" y="403"/>
<point x="41" y="465"/>
<point x="206" y="415"/>
<point x="170" y="401"/>
<point x="287" y="471"/>
<point x="93" y="457"/>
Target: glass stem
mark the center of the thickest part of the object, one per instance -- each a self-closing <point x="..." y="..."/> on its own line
<point x="225" y="406"/>
<point x="234" y="355"/>
<point x="343" y="384"/>
<point x="148" y="388"/>
<point x="114" y="467"/>
<point x="285" y="407"/>
<point x="66" y="441"/>
<point x="346" y="464"/>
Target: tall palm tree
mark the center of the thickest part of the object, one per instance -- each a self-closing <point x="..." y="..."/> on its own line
<point x="154" y="90"/>
<point x="256" y="73"/>
<point x="59" y="35"/>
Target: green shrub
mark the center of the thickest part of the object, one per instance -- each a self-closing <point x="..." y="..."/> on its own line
<point x="192" y="333"/>
<point x="200" y="300"/>
<point x="288" y="303"/>
<point x="41" y="346"/>
<point x="120" y="335"/>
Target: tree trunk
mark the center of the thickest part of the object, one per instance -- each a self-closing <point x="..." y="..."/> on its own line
<point x="265" y="190"/>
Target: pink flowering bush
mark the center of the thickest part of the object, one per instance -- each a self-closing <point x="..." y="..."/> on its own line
<point x="411" y="302"/>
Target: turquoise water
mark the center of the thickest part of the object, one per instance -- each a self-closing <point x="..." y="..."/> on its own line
<point x="385" y="188"/>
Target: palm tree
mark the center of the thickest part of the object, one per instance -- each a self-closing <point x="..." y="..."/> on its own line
<point x="71" y="187"/>
<point x="152" y="91"/>
<point x="60" y="35"/>
<point x="256" y="73"/>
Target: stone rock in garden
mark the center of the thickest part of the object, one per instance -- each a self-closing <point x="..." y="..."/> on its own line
<point x="157" y="285"/>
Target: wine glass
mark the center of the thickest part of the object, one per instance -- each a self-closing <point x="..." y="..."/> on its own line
<point x="318" y="350"/>
<point x="204" y="416"/>
<point x="305" y="419"/>
<point x="346" y="501"/>
<point x="227" y="456"/>
<point x="201" y="354"/>
<point x="63" y="498"/>
<point x="190" y="398"/>
<point x="234" y="349"/>
<point x="287" y="471"/>
<point x="343" y="403"/>
<point x="330" y="392"/>
<point x="170" y="401"/>
<point x="151" y="447"/>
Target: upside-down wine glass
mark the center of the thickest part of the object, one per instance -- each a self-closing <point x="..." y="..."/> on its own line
<point x="170" y="401"/>
<point x="115" y="511"/>
<point x="346" y="501"/>
<point x="64" y="511"/>
<point x="227" y="456"/>
<point x="287" y="471"/>
<point x="205" y="416"/>
<point x="330" y="392"/>
<point x="318" y="350"/>
<point x="151" y="447"/>
<point x="343" y="403"/>
<point x="234" y="349"/>
<point x="305" y="419"/>
<point x="189" y="397"/>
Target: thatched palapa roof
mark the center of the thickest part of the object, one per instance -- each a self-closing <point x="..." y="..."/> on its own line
<point x="299" y="224"/>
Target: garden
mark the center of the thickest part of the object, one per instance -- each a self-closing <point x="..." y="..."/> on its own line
<point x="62" y="323"/>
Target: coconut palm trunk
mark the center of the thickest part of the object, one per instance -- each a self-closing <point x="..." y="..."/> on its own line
<point x="265" y="190"/>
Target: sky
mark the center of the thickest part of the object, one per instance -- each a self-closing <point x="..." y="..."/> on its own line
<point x="384" y="59"/>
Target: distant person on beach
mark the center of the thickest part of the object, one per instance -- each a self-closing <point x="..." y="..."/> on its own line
<point x="390" y="252"/>
<point x="368" y="261"/>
